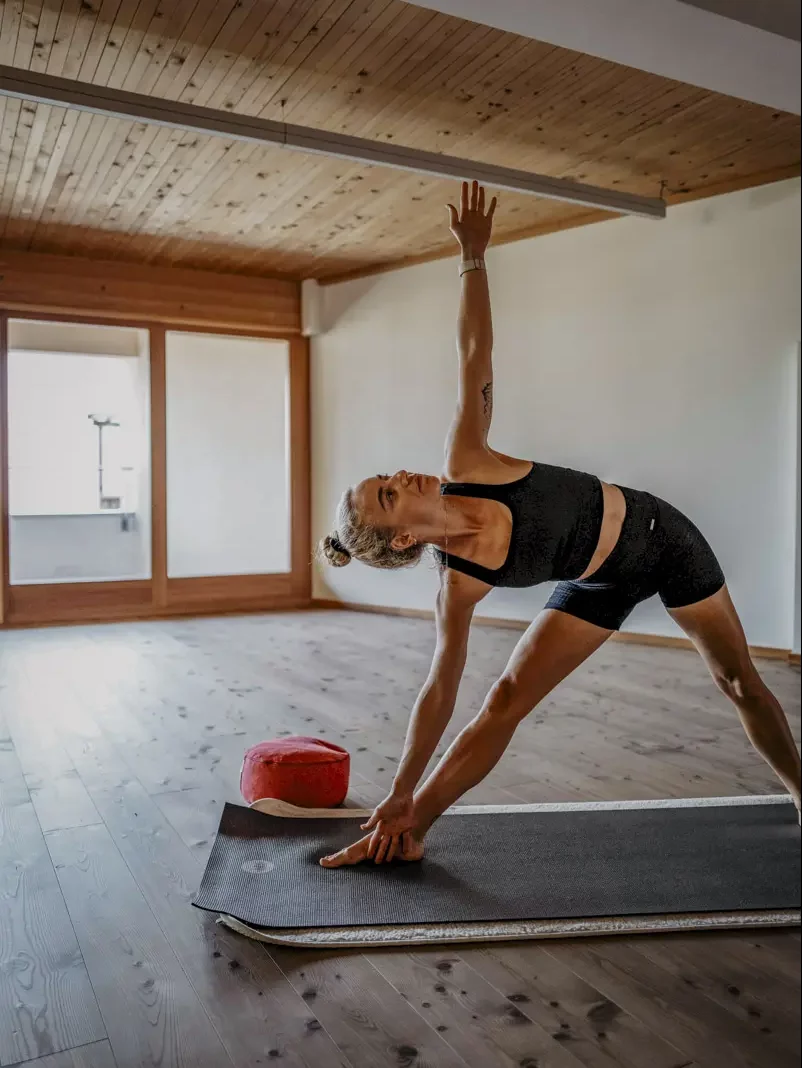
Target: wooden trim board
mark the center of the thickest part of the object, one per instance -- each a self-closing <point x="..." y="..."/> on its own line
<point x="300" y="472"/>
<point x="665" y="641"/>
<point x="63" y="611"/>
<point x="63" y="286"/>
<point x="206" y="591"/>
<point x="158" y="465"/>
<point x="74" y="601"/>
<point x="4" y="550"/>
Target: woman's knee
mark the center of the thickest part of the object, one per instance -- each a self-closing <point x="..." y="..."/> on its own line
<point x="507" y="700"/>
<point x="740" y="682"/>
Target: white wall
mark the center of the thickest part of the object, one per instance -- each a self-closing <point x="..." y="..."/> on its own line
<point x="657" y="355"/>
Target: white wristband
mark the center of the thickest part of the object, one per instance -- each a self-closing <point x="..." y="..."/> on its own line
<point x="471" y="265"/>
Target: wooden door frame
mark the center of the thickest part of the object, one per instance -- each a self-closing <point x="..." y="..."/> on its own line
<point x="4" y="557"/>
<point x="160" y="596"/>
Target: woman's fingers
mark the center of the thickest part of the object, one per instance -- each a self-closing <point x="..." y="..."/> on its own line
<point x="472" y="199"/>
<point x="375" y="842"/>
<point x="390" y="846"/>
<point x="374" y="819"/>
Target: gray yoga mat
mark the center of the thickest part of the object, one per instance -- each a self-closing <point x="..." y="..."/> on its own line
<point x="524" y="865"/>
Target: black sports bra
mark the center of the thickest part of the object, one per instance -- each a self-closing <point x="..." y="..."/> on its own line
<point x="557" y="517"/>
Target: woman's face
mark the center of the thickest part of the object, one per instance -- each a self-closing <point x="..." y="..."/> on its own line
<point x="404" y="502"/>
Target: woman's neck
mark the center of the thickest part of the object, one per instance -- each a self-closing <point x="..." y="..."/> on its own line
<point x="458" y="520"/>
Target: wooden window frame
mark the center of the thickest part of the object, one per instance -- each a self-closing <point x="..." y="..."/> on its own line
<point x="161" y="596"/>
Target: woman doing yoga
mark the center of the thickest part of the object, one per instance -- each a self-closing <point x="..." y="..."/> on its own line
<point x="494" y="520"/>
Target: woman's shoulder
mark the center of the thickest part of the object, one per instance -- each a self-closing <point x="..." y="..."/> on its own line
<point x="458" y="591"/>
<point x="488" y="466"/>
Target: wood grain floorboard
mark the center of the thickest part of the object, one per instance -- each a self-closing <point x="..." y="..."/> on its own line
<point x="596" y="1030"/>
<point x="95" y="1055"/>
<point x="152" y="1013"/>
<point x="737" y="983"/>
<point x="125" y="741"/>
<point x="473" y="1017"/>
<point x="46" y="999"/>
<point x="702" y="1029"/>
<point x="371" y="1022"/>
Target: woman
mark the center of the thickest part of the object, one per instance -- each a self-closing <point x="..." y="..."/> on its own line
<point x="495" y="520"/>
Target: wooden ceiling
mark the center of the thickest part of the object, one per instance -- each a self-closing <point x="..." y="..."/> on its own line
<point x="84" y="185"/>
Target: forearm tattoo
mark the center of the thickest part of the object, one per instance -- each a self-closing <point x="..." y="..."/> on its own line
<point x="487" y="394"/>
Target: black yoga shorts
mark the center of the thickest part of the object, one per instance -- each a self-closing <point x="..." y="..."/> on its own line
<point x="659" y="551"/>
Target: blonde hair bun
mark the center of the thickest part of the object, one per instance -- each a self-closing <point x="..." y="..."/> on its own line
<point x="335" y="552"/>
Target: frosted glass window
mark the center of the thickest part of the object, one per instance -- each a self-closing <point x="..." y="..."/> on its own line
<point x="78" y="453"/>
<point x="227" y="462"/>
<point x="74" y="433"/>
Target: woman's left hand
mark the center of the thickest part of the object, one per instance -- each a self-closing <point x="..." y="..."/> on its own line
<point x="390" y="820"/>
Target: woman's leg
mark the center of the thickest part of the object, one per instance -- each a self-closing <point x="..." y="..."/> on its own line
<point x="715" y="629"/>
<point x="553" y="646"/>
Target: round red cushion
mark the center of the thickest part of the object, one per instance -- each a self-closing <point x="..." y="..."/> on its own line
<point x="307" y="772"/>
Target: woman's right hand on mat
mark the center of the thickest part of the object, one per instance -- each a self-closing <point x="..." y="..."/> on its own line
<point x="409" y="848"/>
<point x="392" y="818"/>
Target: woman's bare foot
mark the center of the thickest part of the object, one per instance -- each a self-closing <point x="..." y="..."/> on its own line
<point x="411" y="849"/>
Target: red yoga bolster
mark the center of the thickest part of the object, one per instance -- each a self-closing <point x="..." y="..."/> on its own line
<point x="307" y="772"/>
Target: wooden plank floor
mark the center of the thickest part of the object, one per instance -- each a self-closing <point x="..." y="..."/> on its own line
<point x="118" y="747"/>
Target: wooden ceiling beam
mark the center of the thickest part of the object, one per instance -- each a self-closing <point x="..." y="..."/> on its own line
<point x="117" y="103"/>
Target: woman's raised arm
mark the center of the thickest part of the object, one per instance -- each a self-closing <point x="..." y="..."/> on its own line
<point x="471" y="226"/>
